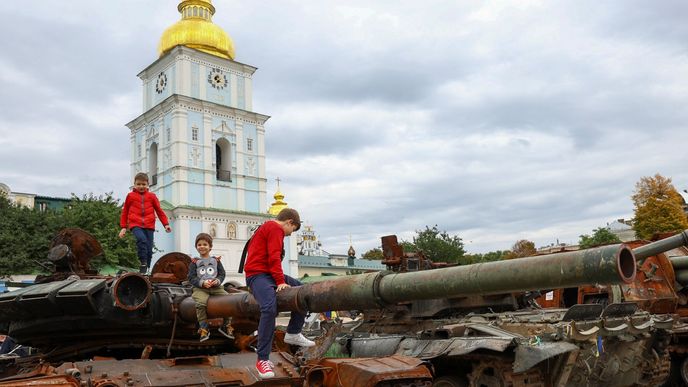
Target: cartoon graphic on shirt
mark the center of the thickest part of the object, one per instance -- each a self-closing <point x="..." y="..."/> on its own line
<point x="206" y="268"/>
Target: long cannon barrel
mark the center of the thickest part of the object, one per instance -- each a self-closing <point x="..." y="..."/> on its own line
<point x="660" y="246"/>
<point x="603" y="265"/>
<point x="679" y="263"/>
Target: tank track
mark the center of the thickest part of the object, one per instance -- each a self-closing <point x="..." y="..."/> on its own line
<point x="498" y="373"/>
<point x="656" y="371"/>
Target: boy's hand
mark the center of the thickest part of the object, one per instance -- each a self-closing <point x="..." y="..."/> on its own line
<point x="207" y="284"/>
<point x="168" y="228"/>
<point x="282" y="287"/>
<point x="122" y="232"/>
<point x="216" y="282"/>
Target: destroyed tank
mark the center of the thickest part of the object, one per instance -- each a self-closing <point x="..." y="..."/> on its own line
<point x="660" y="287"/>
<point x="140" y="330"/>
<point x="449" y="326"/>
<point x="494" y="336"/>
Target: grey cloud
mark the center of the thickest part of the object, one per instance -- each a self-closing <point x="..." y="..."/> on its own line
<point x="563" y="108"/>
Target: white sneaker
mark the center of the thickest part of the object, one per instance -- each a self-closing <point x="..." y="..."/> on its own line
<point x="298" y="339"/>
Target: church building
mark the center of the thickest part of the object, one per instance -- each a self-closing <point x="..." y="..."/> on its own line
<point x="200" y="141"/>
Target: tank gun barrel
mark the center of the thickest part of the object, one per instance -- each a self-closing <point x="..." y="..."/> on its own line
<point x="660" y="246"/>
<point x="603" y="265"/>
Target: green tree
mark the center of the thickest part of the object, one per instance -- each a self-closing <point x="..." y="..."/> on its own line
<point x="373" y="254"/>
<point x="486" y="257"/>
<point x="26" y="234"/>
<point x="600" y="237"/>
<point x="658" y="207"/>
<point x="439" y="245"/>
<point x="99" y="215"/>
<point x="408" y="247"/>
<point x="520" y="249"/>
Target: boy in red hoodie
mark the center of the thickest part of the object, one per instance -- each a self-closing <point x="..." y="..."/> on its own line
<point x="265" y="278"/>
<point x="138" y="213"/>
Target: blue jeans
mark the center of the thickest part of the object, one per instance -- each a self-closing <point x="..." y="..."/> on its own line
<point x="144" y="244"/>
<point x="263" y="288"/>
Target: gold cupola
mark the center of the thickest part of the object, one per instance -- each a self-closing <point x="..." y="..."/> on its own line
<point x="196" y="30"/>
<point x="279" y="203"/>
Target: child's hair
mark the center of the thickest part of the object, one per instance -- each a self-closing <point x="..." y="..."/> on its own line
<point x="204" y="237"/>
<point x="141" y="176"/>
<point x="290" y="214"/>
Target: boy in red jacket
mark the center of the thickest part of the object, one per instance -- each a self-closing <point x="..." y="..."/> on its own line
<point x="265" y="278"/>
<point x="138" y="213"/>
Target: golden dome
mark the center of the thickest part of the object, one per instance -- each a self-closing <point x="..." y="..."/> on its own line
<point x="279" y="203"/>
<point x="196" y="30"/>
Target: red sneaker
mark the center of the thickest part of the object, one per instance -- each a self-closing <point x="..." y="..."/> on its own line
<point x="264" y="368"/>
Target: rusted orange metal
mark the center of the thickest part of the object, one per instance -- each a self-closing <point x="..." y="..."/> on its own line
<point x="83" y="246"/>
<point x="368" y="372"/>
<point x="230" y="369"/>
<point x="53" y="380"/>
<point x="551" y="299"/>
<point x="71" y="251"/>
<point x="171" y="268"/>
<point x="653" y="288"/>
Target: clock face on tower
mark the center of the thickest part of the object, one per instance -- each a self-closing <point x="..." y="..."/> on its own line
<point x="217" y="79"/>
<point x="161" y="83"/>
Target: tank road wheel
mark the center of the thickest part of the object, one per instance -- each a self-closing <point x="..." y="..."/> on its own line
<point x="450" y="381"/>
<point x="684" y="371"/>
<point x="495" y="373"/>
<point x="488" y="374"/>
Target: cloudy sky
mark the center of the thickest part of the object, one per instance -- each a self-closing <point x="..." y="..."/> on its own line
<point x="497" y="121"/>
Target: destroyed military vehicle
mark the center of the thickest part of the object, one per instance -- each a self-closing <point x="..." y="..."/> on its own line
<point x="444" y="326"/>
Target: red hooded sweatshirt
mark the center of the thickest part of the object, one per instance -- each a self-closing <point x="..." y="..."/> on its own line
<point x="265" y="252"/>
<point x="139" y="210"/>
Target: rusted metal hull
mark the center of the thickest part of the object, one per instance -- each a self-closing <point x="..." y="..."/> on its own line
<point x="612" y="347"/>
<point x="133" y="316"/>
<point x="230" y="370"/>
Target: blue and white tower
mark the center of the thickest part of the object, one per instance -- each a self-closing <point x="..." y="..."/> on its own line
<point x="200" y="141"/>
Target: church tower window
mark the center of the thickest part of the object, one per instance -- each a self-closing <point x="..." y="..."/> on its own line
<point x="194" y="134"/>
<point x="168" y="134"/>
<point x="249" y="144"/>
<point x="223" y="160"/>
<point x="153" y="164"/>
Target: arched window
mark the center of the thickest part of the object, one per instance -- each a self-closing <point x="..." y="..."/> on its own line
<point x="195" y="11"/>
<point x="223" y="160"/>
<point x="153" y="164"/>
<point x="231" y="231"/>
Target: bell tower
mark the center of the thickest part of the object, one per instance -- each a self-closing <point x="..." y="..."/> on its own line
<point x="199" y="139"/>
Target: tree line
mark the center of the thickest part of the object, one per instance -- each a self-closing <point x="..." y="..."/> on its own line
<point x="25" y="234"/>
<point x="658" y="208"/>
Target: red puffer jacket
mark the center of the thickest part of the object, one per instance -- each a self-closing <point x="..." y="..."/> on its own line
<point x="139" y="210"/>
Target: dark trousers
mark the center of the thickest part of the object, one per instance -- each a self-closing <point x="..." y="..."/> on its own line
<point x="263" y="288"/>
<point x="144" y="244"/>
